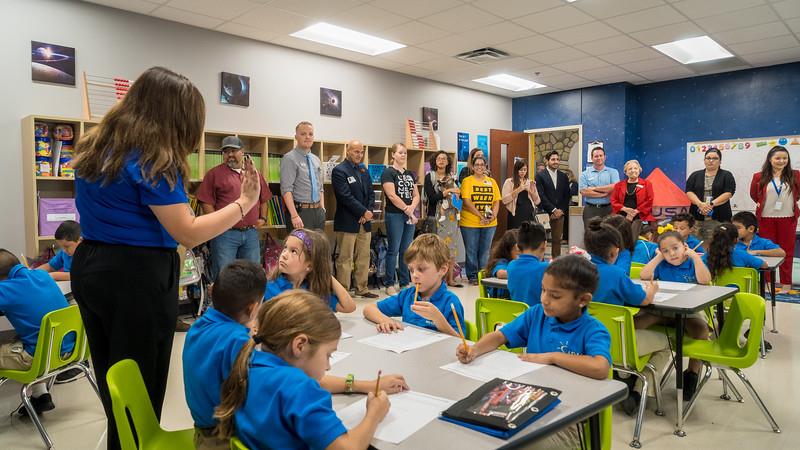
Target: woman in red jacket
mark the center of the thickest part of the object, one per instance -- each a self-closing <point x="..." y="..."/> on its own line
<point x="633" y="197"/>
<point x="776" y="190"/>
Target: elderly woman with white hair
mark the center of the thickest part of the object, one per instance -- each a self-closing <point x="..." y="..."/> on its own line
<point x="633" y="197"/>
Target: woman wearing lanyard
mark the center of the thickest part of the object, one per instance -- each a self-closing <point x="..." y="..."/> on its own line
<point x="776" y="190"/>
<point x="130" y="171"/>
<point x="520" y="196"/>
<point x="633" y="197"/>
<point x="478" y="217"/>
<point x="710" y="191"/>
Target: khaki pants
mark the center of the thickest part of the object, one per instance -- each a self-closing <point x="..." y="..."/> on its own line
<point x="556" y="231"/>
<point x="13" y="356"/>
<point x="353" y="246"/>
<point x="648" y="341"/>
<point x="204" y="441"/>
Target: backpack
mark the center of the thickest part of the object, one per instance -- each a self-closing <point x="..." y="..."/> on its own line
<point x="377" y="256"/>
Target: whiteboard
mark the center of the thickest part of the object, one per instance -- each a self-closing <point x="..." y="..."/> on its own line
<point x="743" y="158"/>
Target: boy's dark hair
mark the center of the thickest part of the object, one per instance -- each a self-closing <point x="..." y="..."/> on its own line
<point x="574" y="273"/>
<point x="719" y="256"/>
<point x="69" y="230"/>
<point x="622" y="225"/>
<point x="651" y="229"/>
<point x="600" y="238"/>
<point x="747" y="219"/>
<point x="7" y="261"/>
<point x="501" y="250"/>
<point x="239" y="285"/>
<point x="683" y="217"/>
<point x="530" y="235"/>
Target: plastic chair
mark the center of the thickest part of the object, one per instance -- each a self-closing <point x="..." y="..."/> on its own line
<point x="726" y="353"/>
<point x="605" y="430"/>
<point x="481" y="287"/>
<point x="635" y="271"/>
<point x="747" y="280"/>
<point x="129" y="396"/>
<point x="624" y="355"/>
<point x="471" y="330"/>
<point x="237" y="444"/>
<point x="48" y="361"/>
<point x="491" y="312"/>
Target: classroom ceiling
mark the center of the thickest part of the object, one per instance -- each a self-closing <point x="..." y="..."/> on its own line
<point x="562" y="45"/>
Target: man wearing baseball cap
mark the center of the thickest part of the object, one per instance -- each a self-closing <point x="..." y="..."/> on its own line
<point x="220" y="187"/>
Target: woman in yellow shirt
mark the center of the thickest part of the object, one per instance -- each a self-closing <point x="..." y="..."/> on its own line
<point x="481" y="197"/>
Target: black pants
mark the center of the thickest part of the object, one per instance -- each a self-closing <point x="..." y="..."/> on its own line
<point x="313" y="219"/>
<point x="128" y="298"/>
<point x="590" y="211"/>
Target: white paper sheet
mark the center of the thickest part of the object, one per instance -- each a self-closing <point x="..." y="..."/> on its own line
<point x="345" y="335"/>
<point x="401" y="341"/>
<point x="410" y="412"/>
<point x="498" y="364"/>
<point x="668" y="285"/>
<point x="662" y="297"/>
<point x="338" y="356"/>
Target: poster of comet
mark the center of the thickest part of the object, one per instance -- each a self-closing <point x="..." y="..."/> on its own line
<point x="330" y="102"/>
<point x="52" y="63"/>
<point x="234" y="89"/>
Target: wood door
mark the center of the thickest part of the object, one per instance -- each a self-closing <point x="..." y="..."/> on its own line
<point x="504" y="147"/>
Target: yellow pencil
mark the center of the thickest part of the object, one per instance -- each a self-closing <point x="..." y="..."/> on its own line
<point x="416" y="292"/>
<point x="698" y="245"/>
<point x="24" y="260"/>
<point x="378" y="383"/>
<point x="460" y="330"/>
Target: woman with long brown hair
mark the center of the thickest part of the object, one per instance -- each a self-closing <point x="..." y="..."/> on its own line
<point x="130" y="193"/>
<point x="520" y="196"/>
<point x="776" y="190"/>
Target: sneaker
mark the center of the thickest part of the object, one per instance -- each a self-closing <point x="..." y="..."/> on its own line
<point x="631" y="403"/>
<point x="689" y="385"/>
<point x="473" y="282"/>
<point x="68" y="376"/>
<point x="455" y="285"/>
<point x="40" y="404"/>
<point x="391" y="290"/>
<point x="368" y="294"/>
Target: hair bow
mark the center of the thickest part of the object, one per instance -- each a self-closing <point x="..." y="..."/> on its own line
<point x="665" y="228"/>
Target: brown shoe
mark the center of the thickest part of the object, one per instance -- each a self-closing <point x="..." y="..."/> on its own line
<point x="181" y="326"/>
<point x="368" y="294"/>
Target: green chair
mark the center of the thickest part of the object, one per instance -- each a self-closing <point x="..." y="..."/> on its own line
<point x="747" y="280"/>
<point x="237" y="444"/>
<point x="129" y="396"/>
<point x="471" y="331"/>
<point x="624" y="355"/>
<point x="726" y="353"/>
<point x="481" y="287"/>
<point x="636" y="264"/>
<point x="48" y="361"/>
<point x="605" y="430"/>
<point x="635" y="271"/>
<point x="493" y="312"/>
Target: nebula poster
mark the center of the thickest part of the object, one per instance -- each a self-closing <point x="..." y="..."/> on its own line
<point x="330" y="102"/>
<point x="52" y="63"/>
<point x="234" y="89"/>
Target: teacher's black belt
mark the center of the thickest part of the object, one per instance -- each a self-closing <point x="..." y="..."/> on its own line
<point x="314" y="205"/>
<point x="598" y="206"/>
<point x="243" y="228"/>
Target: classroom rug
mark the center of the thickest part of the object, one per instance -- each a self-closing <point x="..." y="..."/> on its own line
<point x="792" y="296"/>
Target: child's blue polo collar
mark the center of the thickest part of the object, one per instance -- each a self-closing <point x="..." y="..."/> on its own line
<point x="15" y="271"/>
<point x="598" y="260"/>
<point x="570" y="326"/>
<point x="439" y="293"/>
<point x="527" y="256"/>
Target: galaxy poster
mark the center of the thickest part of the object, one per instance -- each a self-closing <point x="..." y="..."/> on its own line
<point x="234" y="89"/>
<point x="52" y="63"/>
<point x="330" y="102"/>
<point x="431" y="116"/>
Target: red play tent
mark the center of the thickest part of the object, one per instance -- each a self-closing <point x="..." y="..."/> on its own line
<point x="668" y="198"/>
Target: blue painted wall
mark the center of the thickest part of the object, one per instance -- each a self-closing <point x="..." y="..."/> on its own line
<point x="653" y="122"/>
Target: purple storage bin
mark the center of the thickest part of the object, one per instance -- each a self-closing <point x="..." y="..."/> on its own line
<point x="54" y="211"/>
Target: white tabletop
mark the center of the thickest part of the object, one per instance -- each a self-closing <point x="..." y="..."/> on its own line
<point x="695" y="299"/>
<point x="65" y="286"/>
<point x="772" y="261"/>
<point x="495" y="282"/>
<point x="581" y="398"/>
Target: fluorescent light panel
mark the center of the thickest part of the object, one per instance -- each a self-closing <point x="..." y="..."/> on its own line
<point x="345" y="38"/>
<point x="509" y="82"/>
<point x="693" y="50"/>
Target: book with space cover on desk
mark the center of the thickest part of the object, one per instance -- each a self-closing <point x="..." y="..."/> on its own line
<point x="501" y="408"/>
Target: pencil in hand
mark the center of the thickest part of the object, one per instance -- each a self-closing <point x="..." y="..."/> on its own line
<point x="460" y="330"/>
<point x="697" y="246"/>
<point x="378" y="384"/>
<point x="24" y="260"/>
<point x="416" y="292"/>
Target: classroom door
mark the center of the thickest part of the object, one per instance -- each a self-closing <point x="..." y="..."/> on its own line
<point x="504" y="147"/>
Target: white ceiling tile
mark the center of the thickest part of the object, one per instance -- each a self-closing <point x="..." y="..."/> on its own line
<point x="275" y="20"/>
<point x="602" y="72"/>
<point x="499" y="32"/>
<point x="738" y="19"/>
<point x="787" y="9"/>
<point x="765" y="45"/>
<point x="367" y="19"/>
<point x="460" y="19"/>
<point x="410" y="55"/>
<point x="794" y="24"/>
<point x="668" y="33"/>
<point x="452" y="45"/>
<point x="554" y="19"/>
<point x="381" y="63"/>
<point x="538" y="72"/>
<point x="566" y="79"/>
<point x="412" y="33"/>
<point x="651" y="64"/>
<point x="226" y="10"/>
<point x="583" y="33"/>
<point x="649" y="18"/>
<point x="246" y="31"/>
<point x="416" y="8"/>
<point x="189" y="18"/>
<point x="632" y="55"/>
<point x="703" y="8"/>
<point x="630" y="78"/>
<point x="510" y="65"/>
<point x="667" y="73"/>
<point x="609" y="8"/>
<point x="322" y="49"/>
<point x="516" y="8"/>
<point x="753" y="33"/>
<point x="558" y="55"/>
<point x="137" y="6"/>
<point x="445" y="64"/>
<point x="774" y="57"/>
<point x="608" y="45"/>
<point x="318" y="9"/>
<point x="526" y="46"/>
<point x="413" y="70"/>
<point x="581" y="65"/>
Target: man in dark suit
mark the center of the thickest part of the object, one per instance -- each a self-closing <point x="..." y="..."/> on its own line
<point x="352" y="222"/>
<point x="553" y="187"/>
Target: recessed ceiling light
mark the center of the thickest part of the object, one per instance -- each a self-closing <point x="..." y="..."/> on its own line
<point x="693" y="50"/>
<point x="571" y="1"/>
<point x="510" y="82"/>
<point x="345" y="38"/>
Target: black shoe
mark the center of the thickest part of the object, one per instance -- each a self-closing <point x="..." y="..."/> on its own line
<point x="689" y="385"/>
<point x="69" y="376"/>
<point x="767" y="346"/>
<point x="40" y="404"/>
<point x="631" y="403"/>
<point x="368" y="294"/>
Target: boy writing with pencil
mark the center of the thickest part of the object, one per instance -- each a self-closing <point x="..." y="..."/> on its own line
<point x="428" y="303"/>
<point x="68" y="236"/>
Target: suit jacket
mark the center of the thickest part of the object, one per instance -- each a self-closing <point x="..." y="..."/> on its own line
<point x="553" y="197"/>
<point x="352" y="186"/>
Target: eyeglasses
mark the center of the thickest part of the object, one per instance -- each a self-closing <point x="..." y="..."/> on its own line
<point x="712" y="158"/>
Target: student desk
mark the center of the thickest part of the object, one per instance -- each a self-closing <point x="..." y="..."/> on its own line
<point x="693" y="300"/>
<point x="772" y="267"/>
<point x="66" y="288"/>
<point x="495" y="282"/>
<point x="582" y="397"/>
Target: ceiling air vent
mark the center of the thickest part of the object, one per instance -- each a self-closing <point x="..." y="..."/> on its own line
<point x="482" y="55"/>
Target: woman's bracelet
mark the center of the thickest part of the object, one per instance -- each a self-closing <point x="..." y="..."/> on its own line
<point x="241" y="210"/>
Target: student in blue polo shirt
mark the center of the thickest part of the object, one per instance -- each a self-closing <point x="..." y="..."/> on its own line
<point x="625" y="255"/>
<point x="428" y="261"/>
<point x="503" y="252"/>
<point x="747" y="227"/>
<point x="305" y="263"/>
<point x="645" y="248"/>
<point x="723" y="253"/>
<point x="279" y="370"/>
<point x="26" y="296"/>
<point x="68" y="236"/>
<point x="525" y="273"/>
<point x="684" y="224"/>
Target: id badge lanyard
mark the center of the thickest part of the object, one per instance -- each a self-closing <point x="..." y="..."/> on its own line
<point x="778" y="190"/>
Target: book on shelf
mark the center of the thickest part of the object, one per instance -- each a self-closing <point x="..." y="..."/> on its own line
<point x="275" y="211"/>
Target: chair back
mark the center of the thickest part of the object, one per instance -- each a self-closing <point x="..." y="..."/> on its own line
<point x="129" y="394"/>
<point x="491" y="312"/>
<point x="237" y="444"/>
<point x="481" y="287"/>
<point x="52" y="353"/>
<point x="745" y="278"/>
<point x="745" y="306"/>
<point x="635" y="271"/>
<point x="619" y="322"/>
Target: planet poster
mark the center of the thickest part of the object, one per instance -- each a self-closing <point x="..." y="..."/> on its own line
<point x="234" y="89"/>
<point x="52" y="63"/>
<point x="431" y="116"/>
<point x="330" y="102"/>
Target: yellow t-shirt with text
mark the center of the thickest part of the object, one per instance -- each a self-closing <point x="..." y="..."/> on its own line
<point x="483" y="194"/>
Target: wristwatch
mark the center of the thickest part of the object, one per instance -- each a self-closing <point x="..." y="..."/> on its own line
<point x="348" y="383"/>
